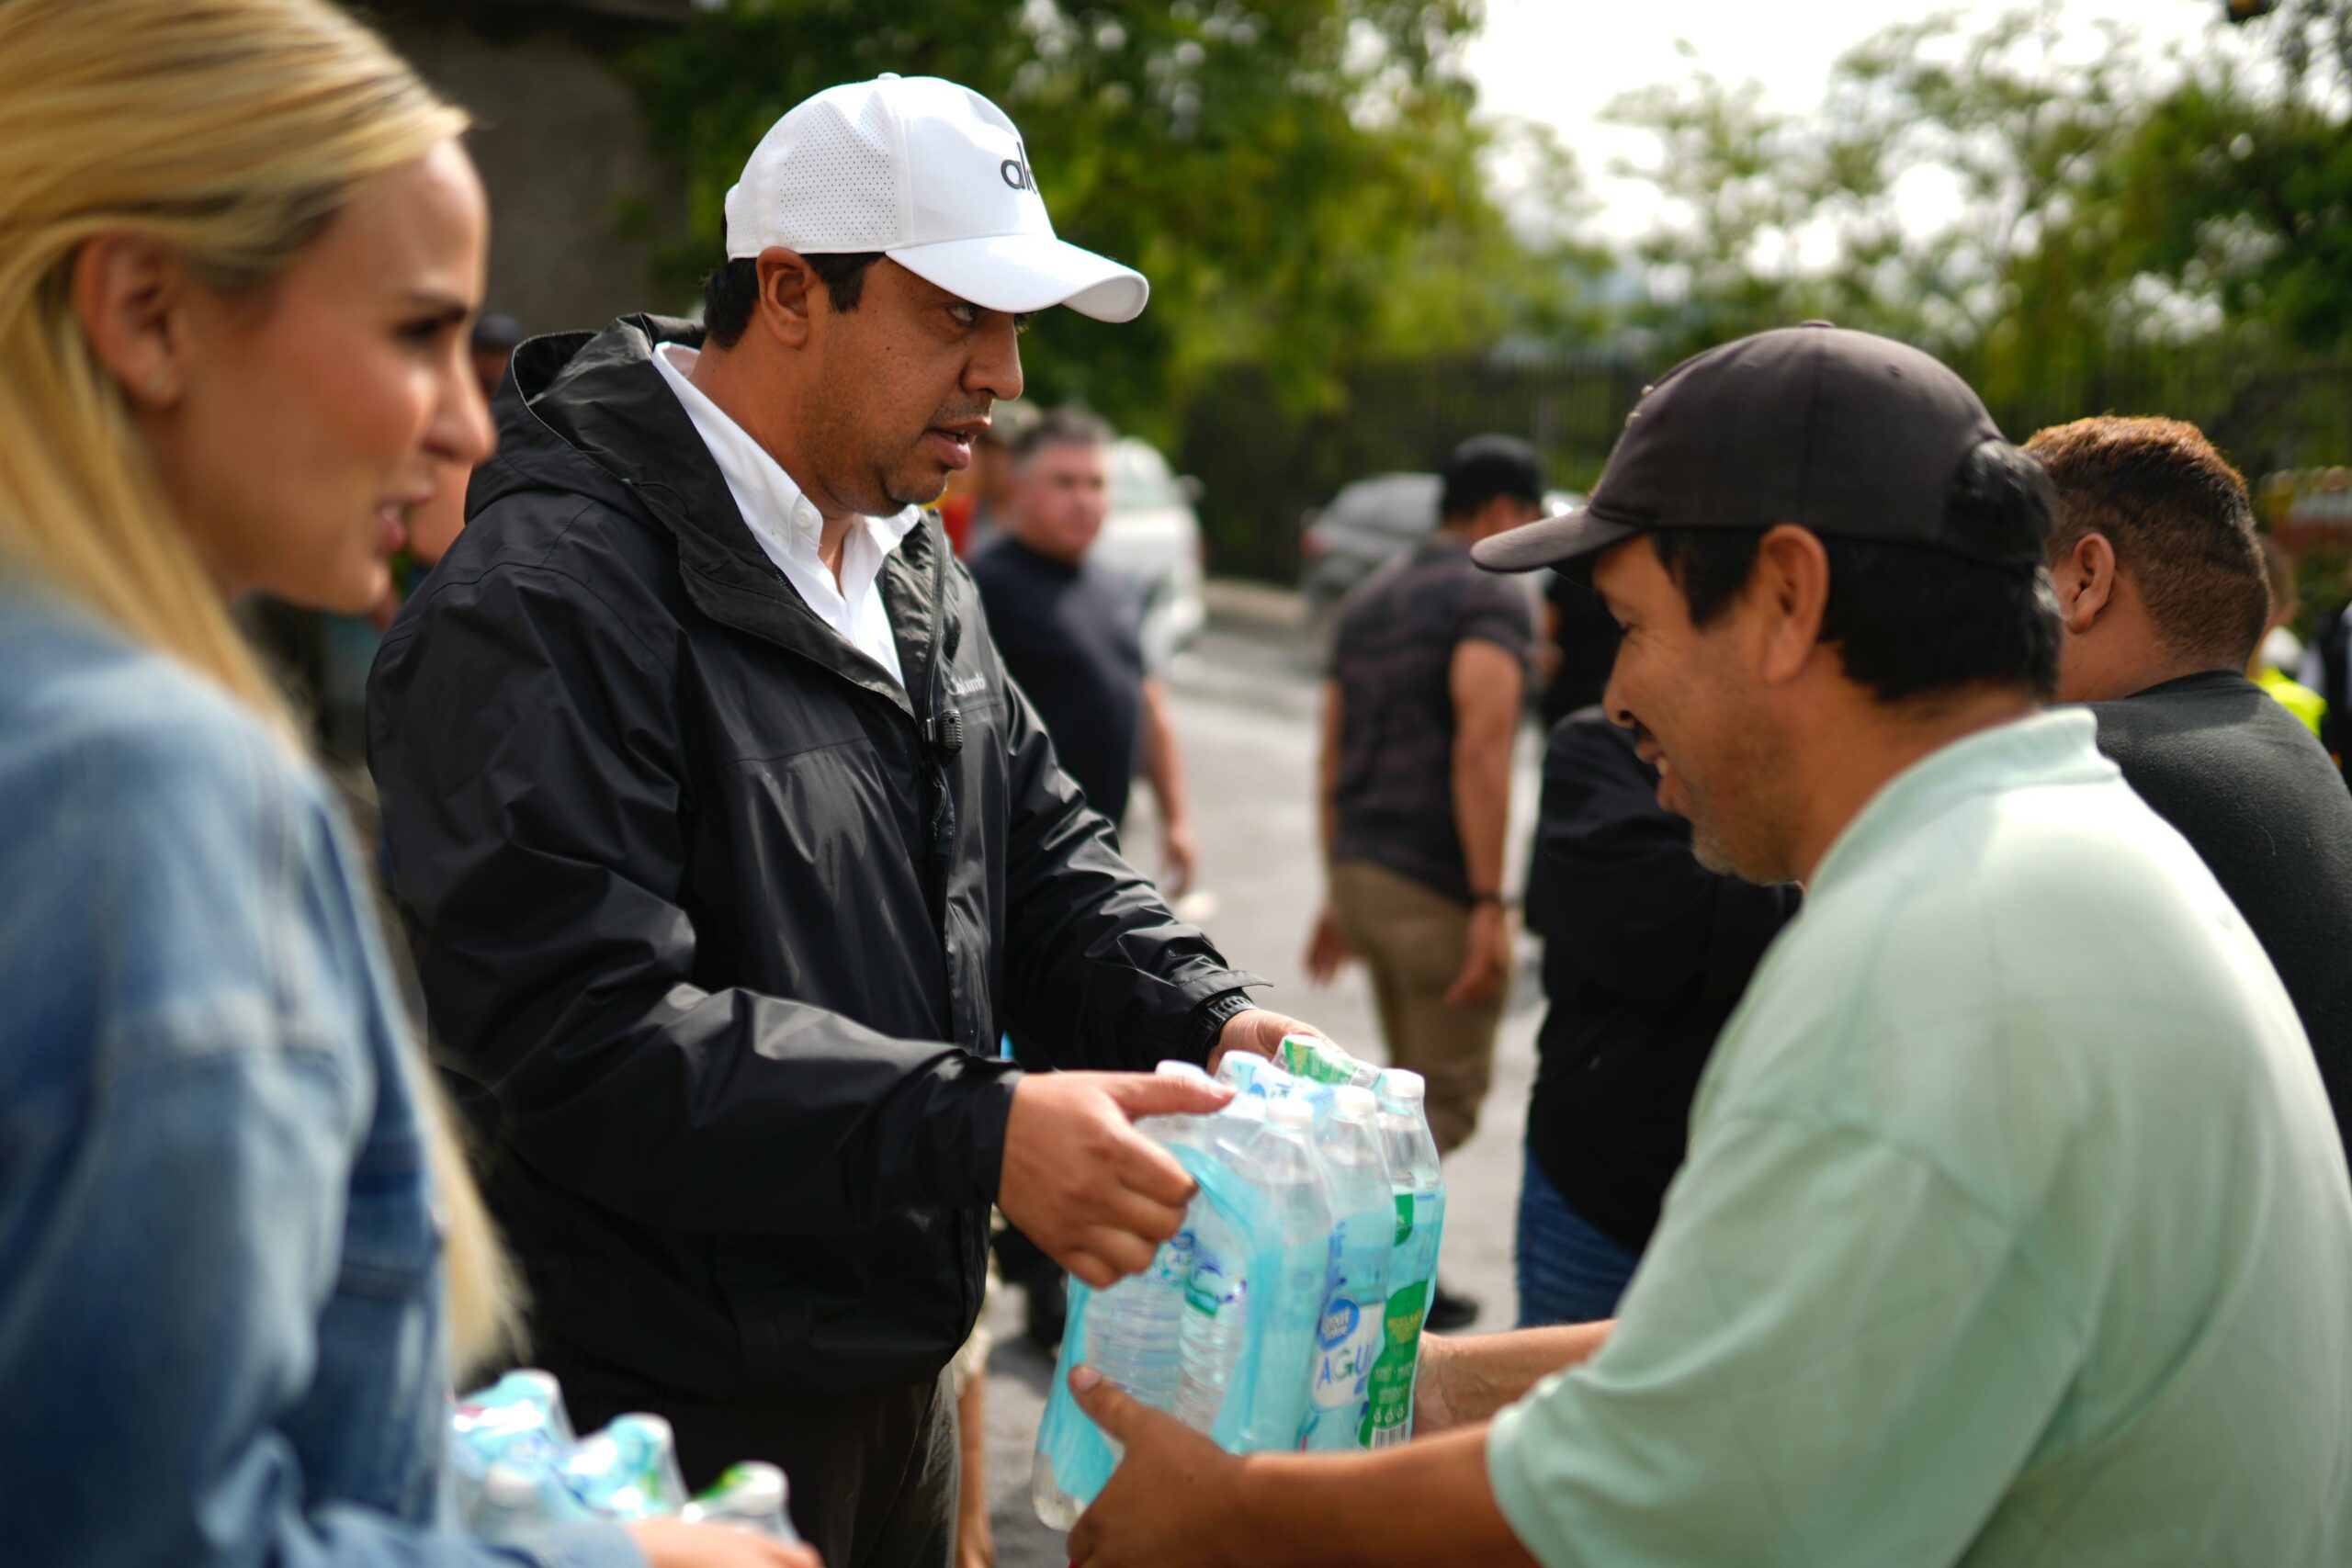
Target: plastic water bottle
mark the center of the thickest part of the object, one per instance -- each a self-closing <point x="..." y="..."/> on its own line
<point x="522" y="1410"/>
<point x="1128" y="1332"/>
<point x="1216" y="1319"/>
<point x="1419" y="1190"/>
<point x="515" y="1499"/>
<point x="1131" y="1333"/>
<point x="1259" y="1078"/>
<point x="1284" y="1311"/>
<point x="1218" y="1303"/>
<point x="1241" y="1070"/>
<point x="628" y="1471"/>
<point x="751" y="1497"/>
<point x="1131" y="1329"/>
<point x="1312" y="1057"/>
<point x="519" y="1421"/>
<point x="1348" y="1337"/>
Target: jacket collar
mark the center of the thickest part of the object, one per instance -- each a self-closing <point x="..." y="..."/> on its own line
<point x="602" y="398"/>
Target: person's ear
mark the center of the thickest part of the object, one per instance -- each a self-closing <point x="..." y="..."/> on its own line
<point x="2084" y="579"/>
<point x="788" y="286"/>
<point x="1788" y="590"/>
<point x="130" y="294"/>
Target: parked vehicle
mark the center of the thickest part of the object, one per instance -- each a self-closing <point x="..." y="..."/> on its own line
<point x="1369" y="521"/>
<point x="1366" y="523"/>
<point x="1153" y="539"/>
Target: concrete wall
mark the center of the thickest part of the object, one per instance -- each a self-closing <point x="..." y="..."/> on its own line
<point x="559" y="142"/>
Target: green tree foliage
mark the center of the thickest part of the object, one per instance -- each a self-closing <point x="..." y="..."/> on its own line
<point x="2236" y="184"/>
<point x="2096" y="201"/>
<point x="1300" y="179"/>
<point x="1784" y="217"/>
<point x="2117" y="232"/>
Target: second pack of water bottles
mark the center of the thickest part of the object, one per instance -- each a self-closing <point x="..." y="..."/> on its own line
<point x="520" y="1469"/>
<point x="1286" y="1313"/>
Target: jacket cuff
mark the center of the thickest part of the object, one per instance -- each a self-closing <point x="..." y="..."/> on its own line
<point x="972" y="1162"/>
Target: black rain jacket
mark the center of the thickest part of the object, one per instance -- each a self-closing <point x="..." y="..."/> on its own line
<point x="717" y="924"/>
<point x="1646" y="953"/>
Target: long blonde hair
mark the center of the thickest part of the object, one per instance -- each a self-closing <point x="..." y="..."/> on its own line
<point x="233" y="130"/>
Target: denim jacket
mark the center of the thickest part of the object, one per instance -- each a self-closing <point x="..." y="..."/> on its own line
<point x="222" y="1336"/>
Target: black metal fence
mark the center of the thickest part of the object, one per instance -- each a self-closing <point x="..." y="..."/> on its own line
<point x="1263" y="467"/>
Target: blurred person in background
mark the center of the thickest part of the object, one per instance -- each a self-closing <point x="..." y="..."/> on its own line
<point x="728" y="851"/>
<point x="2280" y="649"/>
<point x="1430" y="661"/>
<point x="2327" y="670"/>
<point x="1581" y="644"/>
<point x="2164" y="597"/>
<point x="2014" y="1227"/>
<point x="495" y="337"/>
<point x="1072" y="634"/>
<point x="994" y="482"/>
<point x="239" y="1257"/>
<point x="977" y="499"/>
<point x="1646" y="950"/>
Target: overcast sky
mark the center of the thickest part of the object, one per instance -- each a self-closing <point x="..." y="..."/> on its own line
<point x="1561" y="61"/>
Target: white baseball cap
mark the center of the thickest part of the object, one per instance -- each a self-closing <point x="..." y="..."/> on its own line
<point x="932" y="175"/>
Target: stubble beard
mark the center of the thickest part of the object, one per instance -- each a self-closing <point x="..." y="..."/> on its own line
<point x="901" y="491"/>
<point x="1745" y="837"/>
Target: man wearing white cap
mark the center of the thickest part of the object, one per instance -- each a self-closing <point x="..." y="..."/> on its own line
<point x="728" y="849"/>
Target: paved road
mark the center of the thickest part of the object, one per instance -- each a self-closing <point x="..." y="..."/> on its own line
<point x="1245" y="703"/>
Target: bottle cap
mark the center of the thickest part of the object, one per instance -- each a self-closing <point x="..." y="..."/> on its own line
<point x="1290" y="1114"/>
<point x="537" y="1383"/>
<point x="1354" y="1103"/>
<point x="1402" y="1083"/>
<point x="651" y="1429"/>
<point x="753" y="1486"/>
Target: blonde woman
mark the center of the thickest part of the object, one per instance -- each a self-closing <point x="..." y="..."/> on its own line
<point x="239" y="247"/>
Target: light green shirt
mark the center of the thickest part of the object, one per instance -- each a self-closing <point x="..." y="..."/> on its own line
<point x="2016" y="1228"/>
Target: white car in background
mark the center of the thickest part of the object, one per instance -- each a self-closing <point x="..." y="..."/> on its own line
<point x="1152" y="538"/>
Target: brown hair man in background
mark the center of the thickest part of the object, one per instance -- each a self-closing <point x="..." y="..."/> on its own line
<point x="2165" y="595"/>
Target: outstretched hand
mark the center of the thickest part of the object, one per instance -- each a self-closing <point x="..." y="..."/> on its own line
<point x="1079" y="1181"/>
<point x="1165" y="1504"/>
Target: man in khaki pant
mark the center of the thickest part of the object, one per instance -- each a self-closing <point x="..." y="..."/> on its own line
<point x="1427" y="668"/>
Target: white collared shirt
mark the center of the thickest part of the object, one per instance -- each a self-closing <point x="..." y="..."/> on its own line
<point x="789" y="526"/>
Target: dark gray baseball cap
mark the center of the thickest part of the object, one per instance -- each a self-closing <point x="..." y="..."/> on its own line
<point x="1852" y="435"/>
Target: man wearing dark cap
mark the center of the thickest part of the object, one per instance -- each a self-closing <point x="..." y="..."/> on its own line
<point x="2014" y="1227"/>
<point x="1427" y="665"/>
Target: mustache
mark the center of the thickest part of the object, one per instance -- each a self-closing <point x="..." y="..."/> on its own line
<point x="956" y="414"/>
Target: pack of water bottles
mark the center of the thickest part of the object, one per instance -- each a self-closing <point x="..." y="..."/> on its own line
<point x="1286" y="1315"/>
<point x="521" y="1467"/>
